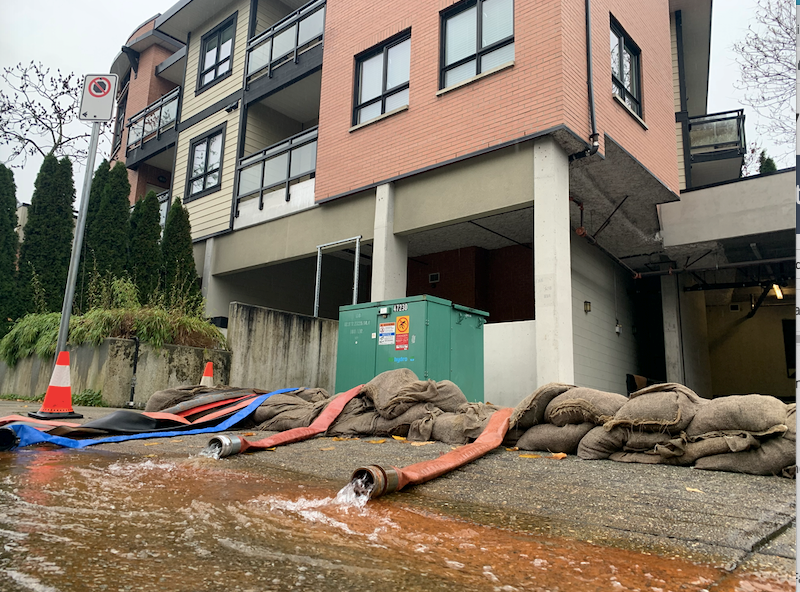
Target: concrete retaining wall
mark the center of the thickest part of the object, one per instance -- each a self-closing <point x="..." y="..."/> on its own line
<point x="274" y="349"/>
<point x="109" y="369"/>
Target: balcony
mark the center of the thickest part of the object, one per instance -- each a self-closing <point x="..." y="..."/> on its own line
<point x="152" y="131"/>
<point x="154" y="120"/>
<point x="277" y="181"/>
<point x="717" y="147"/>
<point x="285" y="41"/>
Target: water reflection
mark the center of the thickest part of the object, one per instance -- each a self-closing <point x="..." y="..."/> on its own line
<point x="78" y="520"/>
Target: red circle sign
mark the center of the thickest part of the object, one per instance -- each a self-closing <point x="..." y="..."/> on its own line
<point x="99" y="87"/>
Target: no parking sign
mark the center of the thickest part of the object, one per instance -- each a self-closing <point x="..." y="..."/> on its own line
<point x="97" y="102"/>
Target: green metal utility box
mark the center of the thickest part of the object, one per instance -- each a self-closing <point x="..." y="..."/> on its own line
<point x="435" y="338"/>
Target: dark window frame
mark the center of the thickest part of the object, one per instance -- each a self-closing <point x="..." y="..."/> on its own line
<point x="204" y="138"/>
<point x="383" y="48"/>
<point x="626" y="43"/>
<point x="215" y="33"/>
<point x="480" y="52"/>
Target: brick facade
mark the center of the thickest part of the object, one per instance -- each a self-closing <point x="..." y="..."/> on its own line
<point x="545" y="88"/>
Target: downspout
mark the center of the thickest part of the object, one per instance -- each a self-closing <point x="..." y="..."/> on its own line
<point x="594" y="137"/>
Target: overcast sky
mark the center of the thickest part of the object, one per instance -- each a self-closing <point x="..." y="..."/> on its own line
<point x="84" y="36"/>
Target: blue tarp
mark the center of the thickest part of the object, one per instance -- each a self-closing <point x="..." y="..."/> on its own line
<point x="29" y="435"/>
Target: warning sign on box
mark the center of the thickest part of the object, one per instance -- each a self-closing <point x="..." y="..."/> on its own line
<point x="386" y="334"/>
<point x="401" y="342"/>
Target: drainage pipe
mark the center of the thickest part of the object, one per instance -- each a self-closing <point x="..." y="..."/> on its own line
<point x="230" y="445"/>
<point x="594" y="137"/>
<point x="380" y="481"/>
<point x="753" y="263"/>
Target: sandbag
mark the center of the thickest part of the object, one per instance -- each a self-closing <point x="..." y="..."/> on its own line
<point x="668" y="407"/>
<point x="747" y="413"/>
<point x="641" y="441"/>
<point x="530" y="411"/>
<point x="287" y="412"/>
<point x="680" y="451"/>
<point x="368" y="422"/>
<point x="553" y="438"/>
<point x="774" y="457"/>
<point x="395" y="391"/>
<point x="600" y="443"/>
<point x="466" y="424"/>
<point x="579" y="405"/>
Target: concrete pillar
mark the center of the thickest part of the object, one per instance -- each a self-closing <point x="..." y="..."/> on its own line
<point x="389" y="251"/>
<point x="215" y="290"/>
<point x="673" y="338"/>
<point x="552" y="268"/>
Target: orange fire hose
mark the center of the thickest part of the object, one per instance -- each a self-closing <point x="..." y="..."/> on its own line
<point x="230" y="445"/>
<point x="380" y="481"/>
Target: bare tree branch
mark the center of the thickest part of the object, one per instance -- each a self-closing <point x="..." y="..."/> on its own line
<point x="39" y="114"/>
<point x="766" y="58"/>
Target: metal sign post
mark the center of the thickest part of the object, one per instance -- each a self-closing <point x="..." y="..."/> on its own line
<point x="97" y="105"/>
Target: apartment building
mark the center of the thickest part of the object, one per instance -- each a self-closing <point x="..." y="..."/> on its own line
<point x="550" y="162"/>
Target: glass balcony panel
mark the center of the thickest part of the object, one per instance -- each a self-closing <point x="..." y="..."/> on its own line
<point x="275" y="169"/>
<point x="150" y="123"/>
<point x="304" y="159"/>
<point x="714" y="133"/>
<point x="259" y="57"/>
<point x="135" y="132"/>
<point x="311" y="27"/>
<point x="283" y="42"/>
<point x="250" y="179"/>
<point x="168" y="113"/>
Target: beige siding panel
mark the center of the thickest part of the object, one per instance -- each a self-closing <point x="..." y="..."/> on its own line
<point x="209" y="214"/>
<point x="266" y="127"/>
<point x="676" y="84"/>
<point x="268" y="13"/>
<point x="193" y="103"/>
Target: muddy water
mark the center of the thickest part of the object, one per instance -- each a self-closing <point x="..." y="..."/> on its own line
<point x="77" y="520"/>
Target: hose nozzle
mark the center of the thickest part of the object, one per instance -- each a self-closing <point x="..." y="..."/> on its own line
<point x="377" y="480"/>
<point x="228" y="445"/>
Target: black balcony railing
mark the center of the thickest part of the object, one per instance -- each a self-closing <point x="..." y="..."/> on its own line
<point x="152" y="121"/>
<point x="718" y="132"/>
<point x="279" y="165"/>
<point x="286" y="39"/>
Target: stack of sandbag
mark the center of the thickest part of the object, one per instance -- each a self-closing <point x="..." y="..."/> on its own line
<point x="670" y="424"/>
<point x="556" y="417"/>
<point x="652" y="416"/>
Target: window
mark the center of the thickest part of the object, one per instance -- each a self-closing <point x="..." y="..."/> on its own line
<point x="382" y="79"/>
<point x="216" y="49"/>
<point x="477" y="36"/>
<point x="205" y="164"/>
<point x="625" y="78"/>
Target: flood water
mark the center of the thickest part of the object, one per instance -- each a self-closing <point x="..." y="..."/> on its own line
<point x="79" y="520"/>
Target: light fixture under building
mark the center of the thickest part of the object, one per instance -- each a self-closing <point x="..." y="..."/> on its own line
<point x="587" y="306"/>
<point x="778" y="291"/>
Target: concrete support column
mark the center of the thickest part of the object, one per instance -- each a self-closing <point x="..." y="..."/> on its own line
<point x="215" y="290"/>
<point x="552" y="266"/>
<point x="389" y="251"/>
<point x="673" y="335"/>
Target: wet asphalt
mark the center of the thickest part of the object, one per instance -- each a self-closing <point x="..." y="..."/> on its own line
<point x="731" y="520"/>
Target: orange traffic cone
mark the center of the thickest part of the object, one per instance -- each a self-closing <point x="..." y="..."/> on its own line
<point x="58" y="400"/>
<point x="208" y="375"/>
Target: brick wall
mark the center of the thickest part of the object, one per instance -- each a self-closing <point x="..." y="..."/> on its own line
<point x="546" y="87"/>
